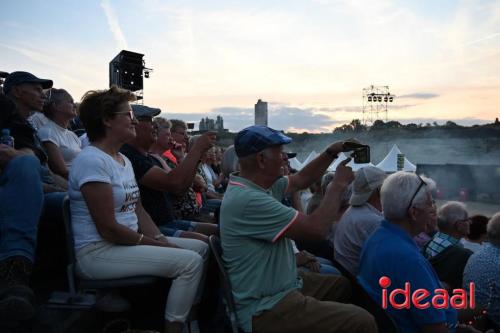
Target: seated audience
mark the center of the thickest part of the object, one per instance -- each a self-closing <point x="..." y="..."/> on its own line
<point x="390" y="251"/>
<point x="483" y="268"/>
<point x="444" y="251"/>
<point x="361" y="219"/>
<point x="61" y="144"/>
<point x="477" y="233"/>
<point x="256" y="227"/>
<point x="157" y="182"/>
<point x="114" y="235"/>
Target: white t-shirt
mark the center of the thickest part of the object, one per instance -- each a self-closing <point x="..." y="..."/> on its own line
<point x="67" y="141"/>
<point x="38" y="120"/>
<point x="94" y="165"/>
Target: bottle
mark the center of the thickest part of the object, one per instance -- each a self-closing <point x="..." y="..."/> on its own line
<point x="6" y="139"/>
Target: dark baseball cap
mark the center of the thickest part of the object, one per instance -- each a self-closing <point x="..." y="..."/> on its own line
<point x="256" y="138"/>
<point x="145" y="111"/>
<point x="17" y="78"/>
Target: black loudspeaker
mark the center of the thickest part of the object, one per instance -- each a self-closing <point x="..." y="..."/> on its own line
<point x="126" y="70"/>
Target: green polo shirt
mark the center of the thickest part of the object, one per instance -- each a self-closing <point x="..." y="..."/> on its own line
<point x="258" y="258"/>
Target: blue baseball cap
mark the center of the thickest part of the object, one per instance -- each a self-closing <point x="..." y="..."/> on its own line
<point x="17" y="78"/>
<point x="256" y="138"/>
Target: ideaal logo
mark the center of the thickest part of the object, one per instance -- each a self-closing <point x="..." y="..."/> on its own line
<point x="440" y="300"/>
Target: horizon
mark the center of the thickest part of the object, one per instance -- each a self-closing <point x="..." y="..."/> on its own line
<point x="309" y="60"/>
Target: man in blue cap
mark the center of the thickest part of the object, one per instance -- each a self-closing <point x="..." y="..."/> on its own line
<point x="255" y="231"/>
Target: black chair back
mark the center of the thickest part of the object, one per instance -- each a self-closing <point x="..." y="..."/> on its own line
<point x="361" y="298"/>
<point x="216" y="250"/>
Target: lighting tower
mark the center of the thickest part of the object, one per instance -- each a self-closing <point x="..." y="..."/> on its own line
<point x="375" y="100"/>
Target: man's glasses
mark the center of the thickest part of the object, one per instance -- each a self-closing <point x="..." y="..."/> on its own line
<point x="130" y="113"/>
<point x="422" y="183"/>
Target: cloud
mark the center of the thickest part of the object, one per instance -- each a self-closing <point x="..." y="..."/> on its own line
<point x="114" y="25"/>
<point x="419" y="95"/>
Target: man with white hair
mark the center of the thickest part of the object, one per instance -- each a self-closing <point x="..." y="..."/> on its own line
<point x="445" y="252"/>
<point x="391" y="252"/>
<point x="483" y="268"/>
<point x="361" y="219"/>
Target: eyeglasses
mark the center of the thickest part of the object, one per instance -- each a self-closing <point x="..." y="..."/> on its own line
<point x="422" y="183"/>
<point x="130" y="113"/>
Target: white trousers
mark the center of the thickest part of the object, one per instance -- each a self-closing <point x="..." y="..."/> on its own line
<point x="104" y="260"/>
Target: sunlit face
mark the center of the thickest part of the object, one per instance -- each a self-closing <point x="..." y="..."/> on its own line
<point x="122" y="124"/>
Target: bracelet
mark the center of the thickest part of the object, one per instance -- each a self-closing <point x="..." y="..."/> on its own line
<point x="140" y="239"/>
<point x="331" y="154"/>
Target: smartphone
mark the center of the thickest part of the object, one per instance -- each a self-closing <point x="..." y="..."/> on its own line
<point x="361" y="155"/>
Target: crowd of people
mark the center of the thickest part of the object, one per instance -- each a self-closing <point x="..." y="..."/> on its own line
<point x="145" y="197"/>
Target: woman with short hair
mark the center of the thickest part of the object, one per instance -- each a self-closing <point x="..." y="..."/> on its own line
<point x="114" y="236"/>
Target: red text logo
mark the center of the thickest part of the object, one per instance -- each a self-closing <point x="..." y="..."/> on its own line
<point x="441" y="299"/>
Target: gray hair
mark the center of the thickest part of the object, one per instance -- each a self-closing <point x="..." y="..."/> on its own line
<point x="397" y="191"/>
<point x="493" y="229"/>
<point x="450" y="213"/>
<point x="230" y="162"/>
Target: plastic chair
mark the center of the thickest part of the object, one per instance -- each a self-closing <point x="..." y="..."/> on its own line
<point x="216" y="250"/>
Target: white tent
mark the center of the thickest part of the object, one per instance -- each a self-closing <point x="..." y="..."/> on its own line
<point x="295" y="163"/>
<point x="312" y="156"/>
<point x="390" y="162"/>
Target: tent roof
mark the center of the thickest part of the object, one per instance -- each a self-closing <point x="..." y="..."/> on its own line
<point x="390" y="162"/>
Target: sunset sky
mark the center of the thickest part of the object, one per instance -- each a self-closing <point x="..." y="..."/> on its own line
<point x="309" y="59"/>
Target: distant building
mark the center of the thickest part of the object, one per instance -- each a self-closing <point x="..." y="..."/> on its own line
<point x="207" y="124"/>
<point x="261" y="113"/>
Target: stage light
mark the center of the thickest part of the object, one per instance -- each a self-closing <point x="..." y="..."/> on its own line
<point x="369" y="98"/>
<point x="391" y="99"/>
<point x="380" y="98"/>
<point x="385" y="99"/>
